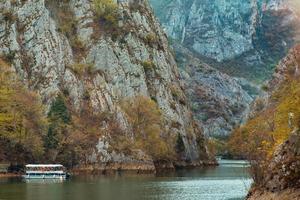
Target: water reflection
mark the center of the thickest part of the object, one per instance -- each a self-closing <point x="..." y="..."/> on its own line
<point x="43" y="181"/>
<point x="229" y="181"/>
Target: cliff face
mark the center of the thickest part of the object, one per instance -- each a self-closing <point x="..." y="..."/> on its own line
<point x="287" y="66"/>
<point x="219" y="102"/>
<point x="130" y="60"/>
<point x="246" y="36"/>
<point x="232" y="39"/>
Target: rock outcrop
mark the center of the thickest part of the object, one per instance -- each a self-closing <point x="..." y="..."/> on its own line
<point x="283" y="179"/>
<point x="107" y="63"/>
<point x="288" y="66"/>
<point x="219" y="101"/>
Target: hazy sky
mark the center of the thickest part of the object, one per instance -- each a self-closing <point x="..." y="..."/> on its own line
<point x="295" y="4"/>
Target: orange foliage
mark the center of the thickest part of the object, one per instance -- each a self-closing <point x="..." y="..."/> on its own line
<point x="262" y="134"/>
<point x="146" y="120"/>
<point x="22" y="122"/>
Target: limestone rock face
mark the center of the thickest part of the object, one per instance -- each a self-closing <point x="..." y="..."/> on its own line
<point x="247" y="33"/>
<point x="288" y="66"/>
<point x="222" y="48"/>
<point x="44" y="57"/>
<point x="219" y="102"/>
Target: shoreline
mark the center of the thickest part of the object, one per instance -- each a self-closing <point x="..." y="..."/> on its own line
<point x="129" y="168"/>
<point x="140" y="169"/>
<point x="10" y="175"/>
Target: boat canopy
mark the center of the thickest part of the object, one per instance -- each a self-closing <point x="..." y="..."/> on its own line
<point x="43" y="165"/>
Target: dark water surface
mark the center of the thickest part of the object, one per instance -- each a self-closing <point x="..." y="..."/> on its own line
<point x="229" y="181"/>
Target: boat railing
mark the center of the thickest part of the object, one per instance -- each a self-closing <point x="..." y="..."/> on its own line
<point x="44" y="172"/>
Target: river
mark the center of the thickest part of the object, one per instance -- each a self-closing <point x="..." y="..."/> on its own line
<point x="228" y="181"/>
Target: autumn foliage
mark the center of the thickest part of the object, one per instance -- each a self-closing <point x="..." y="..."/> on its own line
<point x="148" y="128"/>
<point x="31" y="133"/>
<point x="22" y="122"/>
<point x="27" y="134"/>
<point x="262" y="134"/>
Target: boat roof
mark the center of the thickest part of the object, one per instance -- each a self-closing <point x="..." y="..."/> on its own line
<point x="44" y="165"/>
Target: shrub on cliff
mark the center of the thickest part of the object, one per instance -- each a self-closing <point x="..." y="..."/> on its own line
<point x="146" y="120"/>
<point x="67" y="24"/>
<point x="148" y="65"/>
<point x="82" y="136"/>
<point x="106" y="10"/>
<point x="81" y="69"/>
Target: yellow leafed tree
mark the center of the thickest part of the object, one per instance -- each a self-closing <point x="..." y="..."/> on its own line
<point x="22" y="122"/>
<point x="146" y="120"/>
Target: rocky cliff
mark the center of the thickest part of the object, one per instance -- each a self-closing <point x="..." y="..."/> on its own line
<point x="219" y="101"/>
<point x="238" y="41"/>
<point x="246" y="36"/>
<point x="60" y="47"/>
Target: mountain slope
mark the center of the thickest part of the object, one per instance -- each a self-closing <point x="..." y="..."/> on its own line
<point x="242" y="38"/>
<point x="270" y="138"/>
<point x="239" y="41"/>
<point x="70" y="47"/>
<point x="282" y="181"/>
<point x="219" y="102"/>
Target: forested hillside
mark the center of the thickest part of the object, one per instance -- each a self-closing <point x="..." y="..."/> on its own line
<point x="270" y="138"/>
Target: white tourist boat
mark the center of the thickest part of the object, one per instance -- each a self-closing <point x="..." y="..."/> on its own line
<point x="54" y="171"/>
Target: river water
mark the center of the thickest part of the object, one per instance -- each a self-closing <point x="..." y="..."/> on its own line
<point x="229" y="181"/>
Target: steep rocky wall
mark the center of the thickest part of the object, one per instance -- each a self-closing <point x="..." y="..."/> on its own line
<point x="288" y="66"/>
<point x="241" y="38"/>
<point x="31" y="37"/>
<point x="219" y="102"/>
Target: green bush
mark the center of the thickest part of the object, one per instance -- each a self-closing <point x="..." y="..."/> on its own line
<point x="148" y="65"/>
<point x="265" y="88"/>
<point x="78" y="47"/>
<point x="9" y="57"/>
<point x="106" y="10"/>
<point x="178" y="94"/>
<point x="82" y="69"/>
<point x="151" y="39"/>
